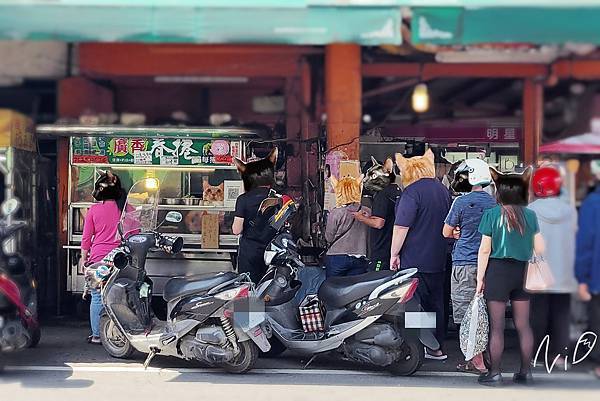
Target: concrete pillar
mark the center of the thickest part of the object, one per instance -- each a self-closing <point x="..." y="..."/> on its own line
<point x="343" y="91"/>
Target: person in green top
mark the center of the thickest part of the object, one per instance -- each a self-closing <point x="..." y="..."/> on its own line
<point x="510" y="235"/>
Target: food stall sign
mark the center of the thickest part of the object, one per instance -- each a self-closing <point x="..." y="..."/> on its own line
<point x="153" y="151"/>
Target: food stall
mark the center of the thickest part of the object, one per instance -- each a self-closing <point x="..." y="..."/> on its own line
<point x="197" y="177"/>
<point x="18" y="167"/>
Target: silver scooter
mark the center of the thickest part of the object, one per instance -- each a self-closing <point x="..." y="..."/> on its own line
<point x="209" y="318"/>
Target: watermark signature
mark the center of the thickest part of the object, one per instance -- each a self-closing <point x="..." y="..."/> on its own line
<point x="585" y="344"/>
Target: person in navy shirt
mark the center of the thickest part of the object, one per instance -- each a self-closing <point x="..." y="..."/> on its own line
<point x="417" y="239"/>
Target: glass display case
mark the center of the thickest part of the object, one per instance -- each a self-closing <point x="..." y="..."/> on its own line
<point x="197" y="178"/>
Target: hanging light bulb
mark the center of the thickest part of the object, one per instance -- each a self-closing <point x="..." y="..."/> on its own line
<point x="420" y="98"/>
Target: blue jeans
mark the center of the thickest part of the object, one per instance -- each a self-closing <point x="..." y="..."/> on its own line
<point x="96" y="308"/>
<point x="344" y="265"/>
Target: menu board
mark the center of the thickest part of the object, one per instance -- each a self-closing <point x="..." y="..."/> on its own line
<point x="153" y="151"/>
<point x="210" y="231"/>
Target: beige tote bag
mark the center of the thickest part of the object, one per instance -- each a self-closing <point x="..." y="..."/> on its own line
<point x="539" y="277"/>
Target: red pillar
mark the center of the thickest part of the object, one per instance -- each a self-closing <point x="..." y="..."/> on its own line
<point x="343" y="91"/>
<point x="533" y="118"/>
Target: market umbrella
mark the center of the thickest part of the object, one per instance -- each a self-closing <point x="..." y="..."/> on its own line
<point x="580" y="144"/>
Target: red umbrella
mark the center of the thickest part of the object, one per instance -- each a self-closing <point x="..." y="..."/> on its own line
<point x="580" y="144"/>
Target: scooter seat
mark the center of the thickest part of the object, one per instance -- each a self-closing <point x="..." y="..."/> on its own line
<point x="197" y="284"/>
<point x="337" y="292"/>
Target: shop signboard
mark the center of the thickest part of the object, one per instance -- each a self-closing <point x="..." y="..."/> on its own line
<point x="153" y="151"/>
<point x="459" y="132"/>
<point x="16" y="130"/>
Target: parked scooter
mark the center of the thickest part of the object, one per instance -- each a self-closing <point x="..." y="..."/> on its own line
<point x="360" y="318"/>
<point x="204" y="313"/>
<point x="19" y="327"/>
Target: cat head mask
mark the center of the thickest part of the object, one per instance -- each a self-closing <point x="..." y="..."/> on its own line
<point x="379" y="176"/>
<point x="512" y="188"/>
<point x="417" y="167"/>
<point x="347" y="190"/>
<point x="258" y="173"/>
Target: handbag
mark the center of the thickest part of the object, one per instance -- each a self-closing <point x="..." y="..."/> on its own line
<point x="539" y="277"/>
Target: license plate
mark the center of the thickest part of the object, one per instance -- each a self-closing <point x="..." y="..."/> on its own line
<point x="258" y="336"/>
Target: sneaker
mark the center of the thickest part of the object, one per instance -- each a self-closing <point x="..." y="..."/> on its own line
<point x="95" y="340"/>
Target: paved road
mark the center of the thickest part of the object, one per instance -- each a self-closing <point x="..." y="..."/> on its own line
<point x="65" y="368"/>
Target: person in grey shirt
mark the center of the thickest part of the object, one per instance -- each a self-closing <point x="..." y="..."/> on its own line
<point x="346" y="237"/>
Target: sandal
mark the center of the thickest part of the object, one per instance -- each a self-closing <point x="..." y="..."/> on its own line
<point x="469" y="367"/>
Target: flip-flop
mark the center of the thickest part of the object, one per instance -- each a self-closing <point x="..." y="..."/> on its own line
<point x="441" y="357"/>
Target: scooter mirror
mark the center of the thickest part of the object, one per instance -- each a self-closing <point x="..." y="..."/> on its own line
<point x="10" y="206"/>
<point x="174" y="217"/>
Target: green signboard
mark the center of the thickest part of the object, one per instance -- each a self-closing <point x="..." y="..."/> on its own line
<point x="153" y="151"/>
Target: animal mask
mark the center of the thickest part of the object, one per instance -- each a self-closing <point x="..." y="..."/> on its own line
<point x="379" y="176"/>
<point x="347" y="190"/>
<point x="415" y="168"/>
<point x="512" y="188"/>
<point x="107" y="186"/>
<point x="212" y="194"/>
<point x="258" y="173"/>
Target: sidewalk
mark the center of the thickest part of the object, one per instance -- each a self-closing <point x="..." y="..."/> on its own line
<point x="64" y="342"/>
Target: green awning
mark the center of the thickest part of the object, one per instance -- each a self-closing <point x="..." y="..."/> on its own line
<point x="201" y="21"/>
<point x="526" y="23"/>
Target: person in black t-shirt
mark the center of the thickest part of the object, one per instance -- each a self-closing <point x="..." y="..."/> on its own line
<point x="379" y="179"/>
<point x="258" y="179"/>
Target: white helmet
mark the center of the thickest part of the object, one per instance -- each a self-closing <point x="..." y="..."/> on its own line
<point x="469" y="173"/>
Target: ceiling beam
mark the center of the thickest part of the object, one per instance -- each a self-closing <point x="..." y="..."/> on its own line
<point x="577" y="69"/>
<point x="390" y="87"/>
<point x="488" y="89"/>
<point x="429" y="71"/>
<point x="132" y="59"/>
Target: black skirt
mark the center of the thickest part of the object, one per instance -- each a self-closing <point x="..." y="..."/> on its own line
<point x="505" y="280"/>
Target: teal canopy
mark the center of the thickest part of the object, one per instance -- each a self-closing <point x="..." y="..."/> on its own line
<point x="507" y="21"/>
<point x="307" y="22"/>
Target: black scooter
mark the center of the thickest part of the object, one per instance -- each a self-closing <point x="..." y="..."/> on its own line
<point x="373" y="318"/>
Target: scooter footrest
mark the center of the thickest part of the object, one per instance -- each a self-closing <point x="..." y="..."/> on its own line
<point x="167" y="338"/>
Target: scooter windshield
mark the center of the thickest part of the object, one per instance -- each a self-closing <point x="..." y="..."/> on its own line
<point x="140" y="213"/>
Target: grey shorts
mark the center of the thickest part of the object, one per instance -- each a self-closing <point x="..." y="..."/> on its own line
<point x="463" y="284"/>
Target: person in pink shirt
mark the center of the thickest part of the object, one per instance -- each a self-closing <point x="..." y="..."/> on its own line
<point x="100" y="236"/>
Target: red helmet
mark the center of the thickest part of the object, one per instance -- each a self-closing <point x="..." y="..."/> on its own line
<point x="546" y="182"/>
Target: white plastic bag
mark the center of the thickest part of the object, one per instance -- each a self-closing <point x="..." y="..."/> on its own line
<point x="474" y="329"/>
